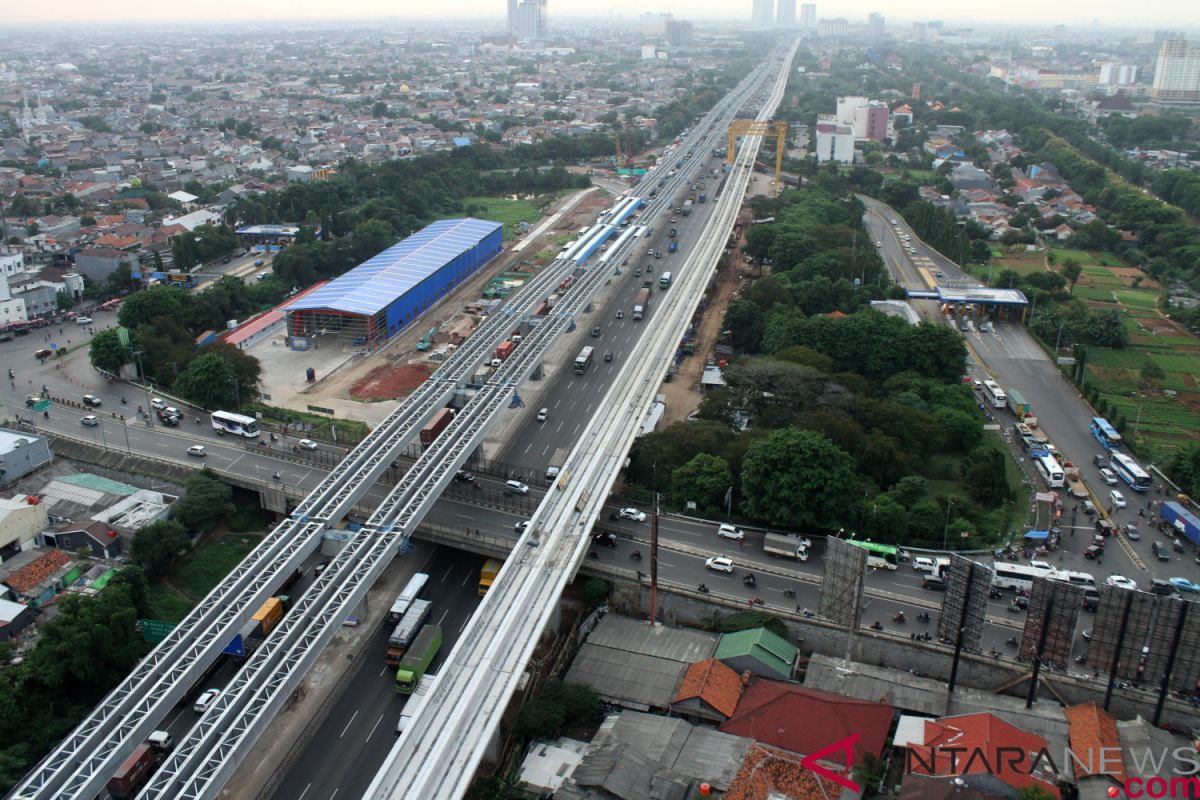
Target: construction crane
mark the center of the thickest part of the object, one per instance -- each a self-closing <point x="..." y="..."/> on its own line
<point x="749" y="127"/>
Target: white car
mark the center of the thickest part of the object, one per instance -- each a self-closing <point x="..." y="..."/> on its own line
<point x="720" y="564"/>
<point x="521" y="526"/>
<point x="633" y="514"/>
<point x="727" y="531"/>
<point x="158" y="403"/>
<point x="307" y="444"/>
<point x="1118" y="499"/>
<point x="83" y="320"/>
<point x="1120" y="582"/>
<point x="516" y="486"/>
<point x="196" y="450"/>
<point x="205" y="700"/>
<point x="91" y="420"/>
<point x="543" y="414"/>
<point x="1108" y="476"/>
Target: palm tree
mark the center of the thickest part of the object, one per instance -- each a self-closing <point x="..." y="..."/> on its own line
<point x="869" y="774"/>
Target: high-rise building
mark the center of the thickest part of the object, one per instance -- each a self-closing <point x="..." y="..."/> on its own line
<point x="808" y="16"/>
<point x="763" y="13"/>
<point x="531" y="19"/>
<point x="875" y="24"/>
<point x="833" y="28"/>
<point x="679" y="32"/>
<point x="512" y="16"/>
<point x="1118" y="74"/>
<point x="785" y="14"/>
<point x="653" y="24"/>
<point x="834" y="142"/>
<point x="1177" y="73"/>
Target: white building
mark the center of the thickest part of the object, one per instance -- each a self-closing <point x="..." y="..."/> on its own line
<point x="834" y="142"/>
<point x="1177" y="73"/>
<point x="1118" y="74"/>
<point x="12" y="309"/>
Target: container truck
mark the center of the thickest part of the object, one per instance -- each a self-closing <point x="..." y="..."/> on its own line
<point x="777" y="544"/>
<point x="556" y="463"/>
<point x="418" y="658"/>
<point x="406" y="630"/>
<point x="435" y="426"/>
<point x="1017" y="404"/>
<point x="1182" y="520"/>
<point x="411" y="591"/>
<point x="257" y="628"/>
<point x="703" y="197"/>
<point x="487" y="575"/>
<point x="414" y="704"/>
<point x="133" y="773"/>
<point x="504" y="349"/>
<point x="642" y="301"/>
<point x="687" y="208"/>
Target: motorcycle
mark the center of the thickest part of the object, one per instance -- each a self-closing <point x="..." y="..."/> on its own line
<point x="636" y="555"/>
<point x="593" y="554"/>
<point x="924" y="616"/>
<point x="1013" y="608"/>
<point x="898" y="617"/>
<point x="757" y="601"/>
<point x="876" y="625"/>
<point x="1011" y="641"/>
<point x="749" y="579"/>
<point x="702" y="589"/>
<point x="789" y="592"/>
<point x="1178" y="546"/>
<point x="122" y="399"/>
<point x="995" y="593"/>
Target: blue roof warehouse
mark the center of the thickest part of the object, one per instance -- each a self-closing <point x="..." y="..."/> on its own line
<point x="380" y="297"/>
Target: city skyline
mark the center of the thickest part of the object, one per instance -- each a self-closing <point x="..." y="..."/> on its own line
<point x="1019" y="12"/>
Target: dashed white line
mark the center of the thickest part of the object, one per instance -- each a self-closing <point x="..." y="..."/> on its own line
<point x="348" y="724"/>
<point x="373" y="727"/>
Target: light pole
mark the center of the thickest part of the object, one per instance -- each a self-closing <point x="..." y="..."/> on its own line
<point x="946" y="527"/>
<point x="145" y="387"/>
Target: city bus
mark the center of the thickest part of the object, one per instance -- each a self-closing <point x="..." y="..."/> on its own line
<point x="583" y="360"/>
<point x="224" y="422"/>
<point x="1017" y="577"/>
<point x="1049" y="468"/>
<point x="1106" y="434"/>
<point x="995" y="394"/>
<point x="664" y="281"/>
<point x="879" y="556"/>
<point x="1129" y="471"/>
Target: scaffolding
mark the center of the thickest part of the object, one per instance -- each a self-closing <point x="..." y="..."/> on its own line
<point x="749" y="127"/>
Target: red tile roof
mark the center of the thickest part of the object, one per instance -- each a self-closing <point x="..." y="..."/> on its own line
<point x="36" y="571"/>
<point x="1095" y="742"/>
<point x="982" y="743"/>
<point x="804" y="720"/>
<point x="769" y="773"/>
<point x="714" y="683"/>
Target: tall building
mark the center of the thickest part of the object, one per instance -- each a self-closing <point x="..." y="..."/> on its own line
<point x="785" y="14"/>
<point x="875" y="24"/>
<point x="833" y="28"/>
<point x="531" y="19"/>
<point x="808" y="16"/>
<point x="512" y="16"/>
<point x="834" y="142"/>
<point x="763" y="13"/>
<point x="1118" y="74"/>
<point x="1177" y="73"/>
<point x="679" y="32"/>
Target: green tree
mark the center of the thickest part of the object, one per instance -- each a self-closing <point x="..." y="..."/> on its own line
<point x="209" y="381"/>
<point x="144" y="308"/>
<point x="205" y="501"/>
<point x="156" y="546"/>
<point x="797" y="478"/>
<point x="1183" y="465"/>
<point x="1071" y="271"/>
<point x="705" y="480"/>
<point x="986" y="476"/>
<point x="595" y="592"/>
<point x="107" y="353"/>
<point x="555" y="706"/>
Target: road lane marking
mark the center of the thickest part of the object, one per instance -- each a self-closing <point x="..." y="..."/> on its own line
<point x="373" y="727"/>
<point x="306" y="788"/>
<point x="348" y="724"/>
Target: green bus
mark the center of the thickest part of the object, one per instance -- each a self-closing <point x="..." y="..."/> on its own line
<point x="664" y="280"/>
<point x="879" y="556"/>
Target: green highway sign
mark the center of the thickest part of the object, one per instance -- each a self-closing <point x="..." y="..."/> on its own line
<point x="154" y="630"/>
<point x="41" y="405"/>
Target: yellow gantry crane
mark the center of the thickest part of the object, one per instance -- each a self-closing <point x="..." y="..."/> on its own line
<point x="749" y="127"/>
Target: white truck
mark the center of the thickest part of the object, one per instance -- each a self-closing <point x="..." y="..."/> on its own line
<point x="778" y="544"/>
<point x="556" y="464"/>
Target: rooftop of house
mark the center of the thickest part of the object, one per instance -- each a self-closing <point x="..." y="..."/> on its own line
<point x="712" y="682"/>
<point x="34" y="573"/>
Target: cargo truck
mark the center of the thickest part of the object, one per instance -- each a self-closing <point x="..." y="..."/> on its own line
<point x="672" y="246"/>
<point x="703" y="197"/>
<point x="777" y="544"/>
<point x="1017" y="404"/>
<point x="1075" y="483"/>
<point x="435" y="426"/>
<point x="418" y="659"/>
<point x="413" y="704"/>
<point x="687" y="208"/>
<point x="504" y="349"/>
<point x="411" y="592"/>
<point x="257" y="628"/>
<point x="1182" y="520"/>
<point x="641" y="302"/>
<point x="133" y="773"/>
<point x="406" y="630"/>
<point x="487" y="575"/>
<point x="556" y="463"/>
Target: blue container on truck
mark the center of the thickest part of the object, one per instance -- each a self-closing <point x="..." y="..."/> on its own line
<point x="1182" y="520"/>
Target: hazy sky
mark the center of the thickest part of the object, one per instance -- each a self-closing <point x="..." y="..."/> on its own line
<point x="1148" y="13"/>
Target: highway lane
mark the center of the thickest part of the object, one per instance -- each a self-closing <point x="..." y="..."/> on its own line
<point x="344" y="751"/>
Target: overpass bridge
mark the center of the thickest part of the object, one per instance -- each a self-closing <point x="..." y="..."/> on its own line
<point x="82" y="763"/>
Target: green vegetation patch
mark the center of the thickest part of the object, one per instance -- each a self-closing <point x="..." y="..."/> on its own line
<point x="209" y="563"/>
<point x="349" y="431"/>
<point x="508" y="212"/>
<point x="1132" y="297"/>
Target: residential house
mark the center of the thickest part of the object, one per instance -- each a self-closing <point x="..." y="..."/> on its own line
<point x="709" y="691"/>
<point x="36" y="577"/>
<point x="758" y="651"/>
<point x="22" y="518"/>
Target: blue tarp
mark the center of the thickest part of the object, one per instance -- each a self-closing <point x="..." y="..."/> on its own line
<point x="1037" y="534"/>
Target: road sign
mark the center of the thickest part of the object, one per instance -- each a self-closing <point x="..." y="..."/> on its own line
<point x="155" y="630"/>
<point x="41" y="405"/>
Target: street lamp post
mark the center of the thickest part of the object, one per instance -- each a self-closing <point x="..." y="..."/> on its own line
<point x="145" y="386"/>
<point x="946" y="527"/>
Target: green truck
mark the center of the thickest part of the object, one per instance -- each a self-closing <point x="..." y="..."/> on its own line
<point x="418" y="658"/>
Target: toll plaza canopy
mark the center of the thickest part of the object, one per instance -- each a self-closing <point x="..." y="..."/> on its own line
<point x="982" y="296"/>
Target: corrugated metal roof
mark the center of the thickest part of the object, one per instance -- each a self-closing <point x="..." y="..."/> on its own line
<point x="371" y="286"/>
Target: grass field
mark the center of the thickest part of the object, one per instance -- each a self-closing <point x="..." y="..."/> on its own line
<point x="198" y="573"/>
<point x="508" y="212"/>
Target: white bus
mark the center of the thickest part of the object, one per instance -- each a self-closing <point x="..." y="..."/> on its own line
<point x="1129" y="471"/>
<point x="224" y="422"/>
<point x="995" y="394"/>
<point x="583" y="360"/>
<point x="1049" y="468"/>
<point x="1018" y="577"/>
<point x="1084" y="579"/>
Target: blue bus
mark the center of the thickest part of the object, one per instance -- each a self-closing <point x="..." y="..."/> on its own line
<point x="1130" y="472"/>
<point x="1106" y="434"/>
